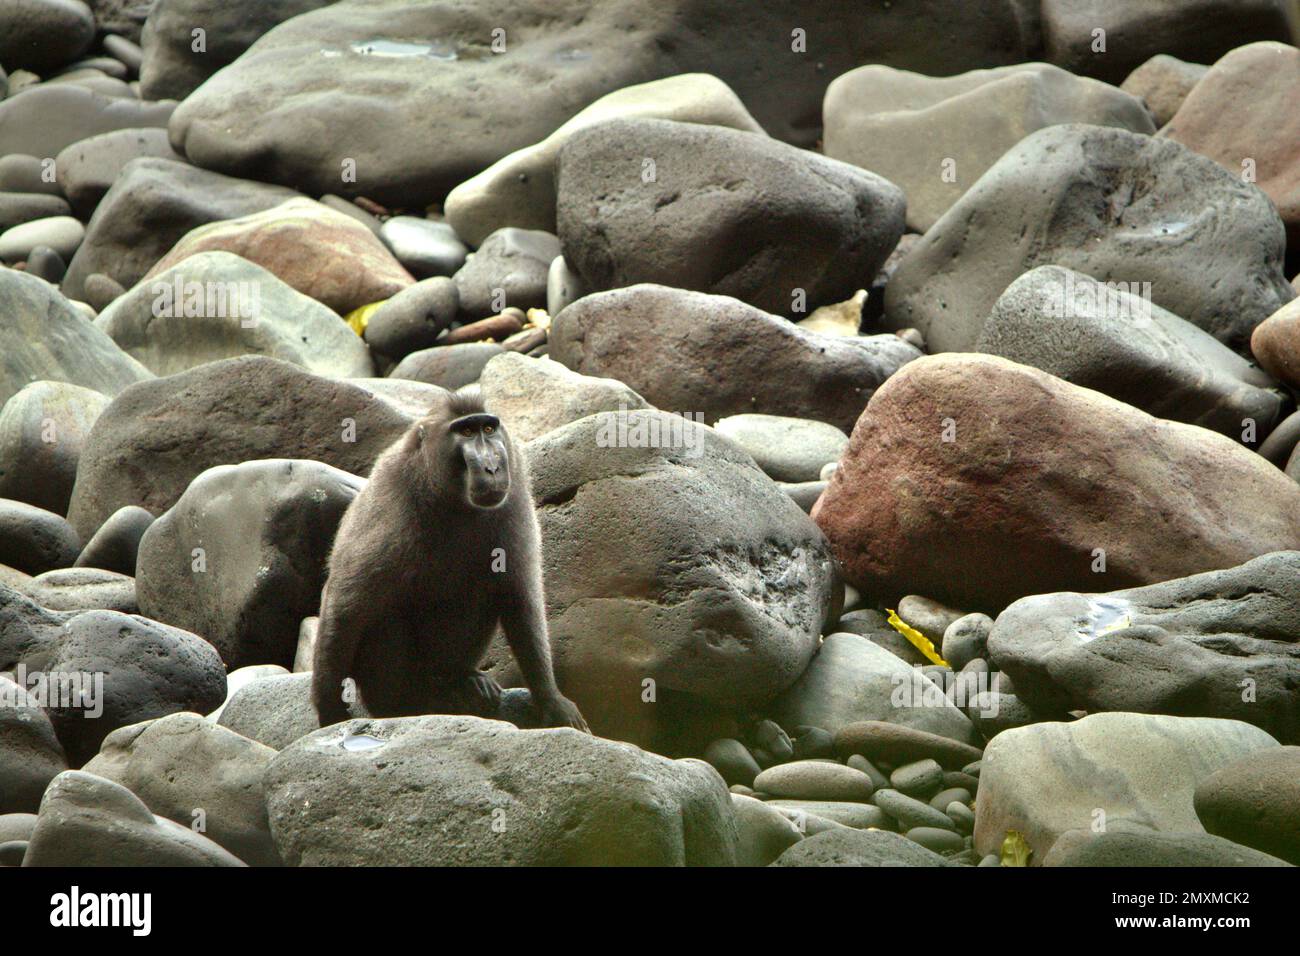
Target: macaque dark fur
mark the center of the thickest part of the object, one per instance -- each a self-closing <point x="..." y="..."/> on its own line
<point x="413" y="600"/>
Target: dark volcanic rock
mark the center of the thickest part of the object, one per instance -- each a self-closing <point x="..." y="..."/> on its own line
<point x="147" y="446"/>
<point x="151" y="205"/>
<point x="45" y="338"/>
<point x="173" y="69"/>
<point x="33" y="539"/>
<point x="264" y="529"/>
<point x="43" y="35"/>
<point x="1125" y="346"/>
<point x="1115" y="205"/>
<point x="681" y="564"/>
<point x="1220" y="644"/>
<point x="48" y="118"/>
<point x="1197" y="30"/>
<point x="389" y="791"/>
<point x="721" y="211"/>
<point x="388" y="79"/>
<point x="148" y="670"/>
<point x="116" y="543"/>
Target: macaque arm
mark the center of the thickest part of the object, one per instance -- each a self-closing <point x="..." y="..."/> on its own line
<point x="341" y="627"/>
<point x="523" y="618"/>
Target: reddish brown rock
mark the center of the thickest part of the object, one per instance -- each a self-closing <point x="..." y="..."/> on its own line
<point x="1038" y="478"/>
<point x="317" y="250"/>
<point x="1275" y="343"/>
<point x="1245" y="111"/>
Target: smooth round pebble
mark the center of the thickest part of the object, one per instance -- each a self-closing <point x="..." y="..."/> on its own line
<point x="921" y="778"/>
<point x="815" y="780"/>
<point x="933" y="838"/>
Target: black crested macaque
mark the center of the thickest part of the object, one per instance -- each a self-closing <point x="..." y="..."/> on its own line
<point x="440" y="547"/>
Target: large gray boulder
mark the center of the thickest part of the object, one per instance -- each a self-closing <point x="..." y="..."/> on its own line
<point x="147" y="669"/>
<point x="217" y="305"/>
<point x="86" y="820"/>
<point x="1047" y="778"/>
<point x="273" y="709"/>
<point x="1130" y="845"/>
<point x="43" y="35"/>
<point x="30" y="753"/>
<point x="935" y="136"/>
<point x="1197" y="30"/>
<point x="198" y="774"/>
<point x="720" y="211"/>
<point x="34" y="540"/>
<point x="173" y="69"/>
<point x="1220" y="644"/>
<point x="88" y="168"/>
<point x="240" y="558"/>
<point x="681" y="583"/>
<point x="519" y="189"/>
<point x="50" y="117"/>
<point x="787" y="449"/>
<point x="1112" y="204"/>
<point x="42" y="431"/>
<point x="151" y="205"/>
<point x="28" y="632"/>
<point x="1118" y="342"/>
<point x="389" y="78"/>
<point x="449" y="791"/>
<point x="151" y="442"/>
<point x="716" y="356"/>
<point x="45" y="338"/>
<point x="83" y="589"/>
<point x="1256" y="801"/>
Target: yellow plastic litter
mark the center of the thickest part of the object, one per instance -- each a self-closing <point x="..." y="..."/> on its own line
<point x="358" y="319"/>
<point x="919" y="640"/>
<point x="1015" y="851"/>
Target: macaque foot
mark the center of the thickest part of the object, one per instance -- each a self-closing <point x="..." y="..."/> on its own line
<point x="559" y="711"/>
<point x="484" y="694"/>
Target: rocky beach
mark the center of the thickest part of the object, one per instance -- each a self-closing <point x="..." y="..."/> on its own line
<point x="714" y="434"/>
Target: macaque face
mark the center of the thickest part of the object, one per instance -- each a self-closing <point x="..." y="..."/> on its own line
<point x="479" y="449"/>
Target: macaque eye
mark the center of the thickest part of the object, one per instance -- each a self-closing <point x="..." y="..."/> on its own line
<point x="467" y="431"/>
<point x="488" y="429"/>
